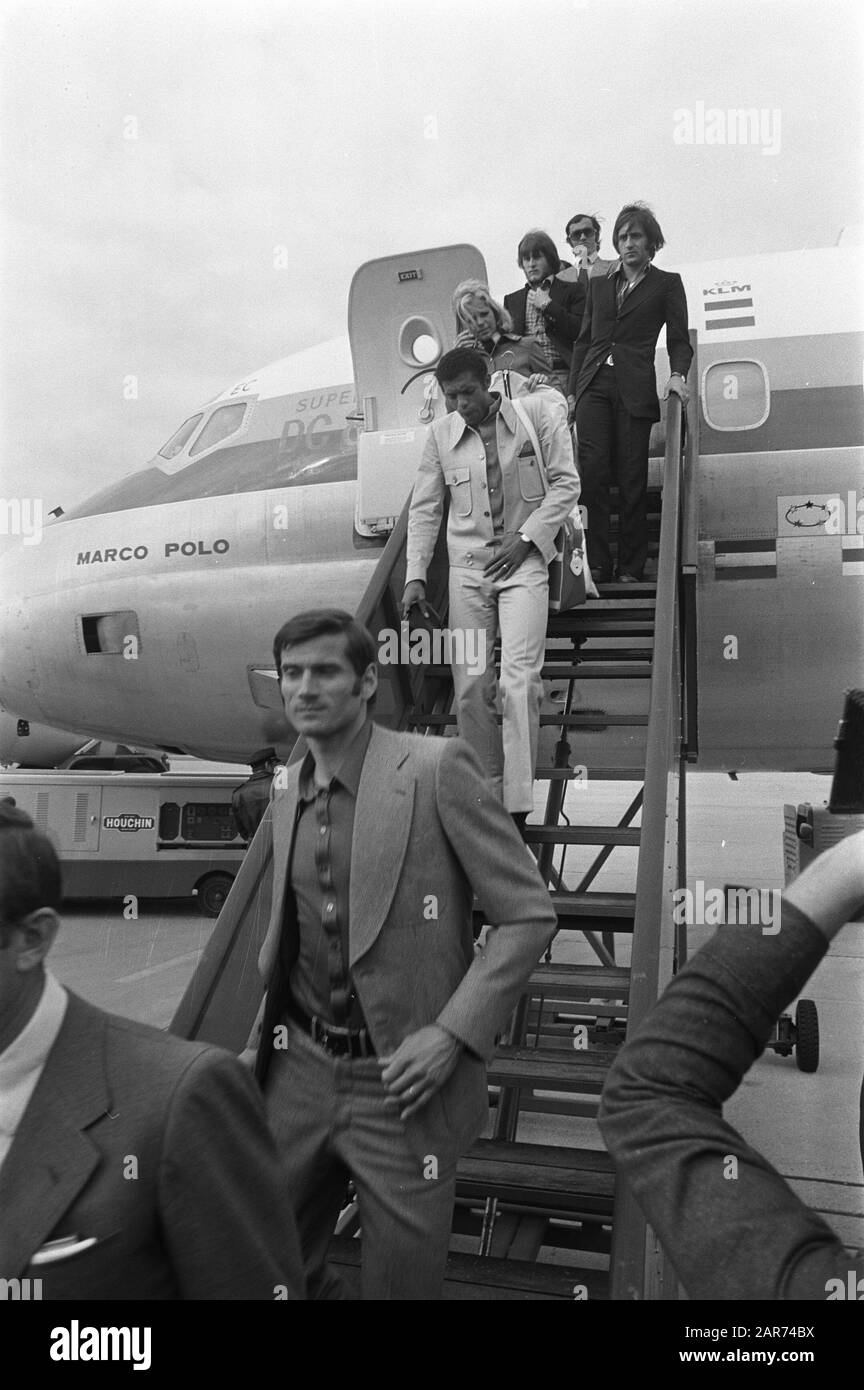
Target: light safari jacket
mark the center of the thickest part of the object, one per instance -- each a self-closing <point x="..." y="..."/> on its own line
<point x="454" y="458"/>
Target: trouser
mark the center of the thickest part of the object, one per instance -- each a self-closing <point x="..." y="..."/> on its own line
<point x="516" y="607"/>
<point x="610" y="439"/>
<point x="332" y="1119"/>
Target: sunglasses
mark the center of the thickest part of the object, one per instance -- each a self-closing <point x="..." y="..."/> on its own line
<point x="581" y="232"/>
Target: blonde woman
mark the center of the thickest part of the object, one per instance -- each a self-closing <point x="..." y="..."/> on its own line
<point x="483" y="323"/>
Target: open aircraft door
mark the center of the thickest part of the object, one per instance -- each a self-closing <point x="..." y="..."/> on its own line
<point x="399" y="324"/>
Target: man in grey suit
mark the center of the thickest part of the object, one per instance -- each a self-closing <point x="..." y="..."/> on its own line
<point x="133" y="1165"/>
<point x="379" y="1017"/>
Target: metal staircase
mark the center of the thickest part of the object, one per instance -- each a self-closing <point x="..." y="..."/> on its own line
<point x="521" y="1202"/>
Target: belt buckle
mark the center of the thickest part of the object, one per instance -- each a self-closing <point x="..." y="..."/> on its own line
<point x="335" y="1041"/>
<point x="330" y="1043"/>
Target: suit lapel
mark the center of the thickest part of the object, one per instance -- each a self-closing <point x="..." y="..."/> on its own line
<point x="283" y="812"/>
<point x="520" y="318"/>
<point x="51" y="1159"/>
<point x="646" y="289"/>
<point x="382" y="825"/>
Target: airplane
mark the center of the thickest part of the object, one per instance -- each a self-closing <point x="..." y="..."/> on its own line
<point x="146" y="612"/>
<point x="27" y="744"/>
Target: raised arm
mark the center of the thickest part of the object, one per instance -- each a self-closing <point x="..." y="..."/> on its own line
<point x="731" y="1225"/>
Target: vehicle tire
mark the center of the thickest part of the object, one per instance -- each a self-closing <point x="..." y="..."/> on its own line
<point x="807" y="1040"/>
<point x="212" y="890"/>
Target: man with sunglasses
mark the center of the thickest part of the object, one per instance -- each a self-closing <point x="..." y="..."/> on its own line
<point x="583" y="238"/>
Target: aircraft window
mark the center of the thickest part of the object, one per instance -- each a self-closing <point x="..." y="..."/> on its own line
<point x="111" y="632"/>
<point x="180" y="438"/>
<point x="223" y="422"/>
<point x="425" y="348"/>
<point x="736" y="395"/>
<point x="419" y="344"/>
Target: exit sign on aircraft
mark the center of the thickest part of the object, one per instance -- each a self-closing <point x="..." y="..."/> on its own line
<point x="409" y="275"/>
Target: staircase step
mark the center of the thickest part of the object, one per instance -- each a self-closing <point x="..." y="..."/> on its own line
<point x="596" y="774"/>
<point x="613" y="912"/>
<point x="581" y="835"/>
<point x="569" y="1182"/>
<point x="475" y="1278"/>
<point x="615" y="589"/>
<point x="579" y="982"/>
<point x="547" y="1069"/>
<point x="588" y="670"/>
<point x="563" y="624"/>
<point x="606" y="911"/>
<point x="643" y="655"/>
<point x="594" y="721"/>
<point x="625" y="601"/>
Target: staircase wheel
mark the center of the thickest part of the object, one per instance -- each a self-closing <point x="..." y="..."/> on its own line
<point x="807" y="1035"/>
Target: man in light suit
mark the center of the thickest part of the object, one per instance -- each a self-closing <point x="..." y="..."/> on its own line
<point x="506" y="507"/>
<point x="613" y="388"/>
<point x="378" y="1016"/>
<point x="133" y="1165"/>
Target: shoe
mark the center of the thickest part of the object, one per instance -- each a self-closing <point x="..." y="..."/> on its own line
<point x="601" y="576"/>
<point x="625" y="578"/>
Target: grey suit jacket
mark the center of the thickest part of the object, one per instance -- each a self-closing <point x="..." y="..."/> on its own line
<point x="151" y="1159"/>
<point x="428" y="834"/>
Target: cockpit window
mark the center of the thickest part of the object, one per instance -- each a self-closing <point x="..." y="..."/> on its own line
<point x="222" y="423"/>
<point x="181" y="437"/>
<point x="286" y="442"/>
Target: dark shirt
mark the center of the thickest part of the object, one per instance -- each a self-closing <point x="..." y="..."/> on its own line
<point x="623" y="286"/>
<point x="319" y="874"/>
<point x="737" y="1234"/>
<point x="488" y="431"/>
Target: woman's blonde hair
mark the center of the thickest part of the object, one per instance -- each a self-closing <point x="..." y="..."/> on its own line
<point x="475" y="289"/>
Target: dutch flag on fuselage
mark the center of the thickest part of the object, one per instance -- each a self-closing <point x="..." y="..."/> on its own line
<point x="728" y="304"/>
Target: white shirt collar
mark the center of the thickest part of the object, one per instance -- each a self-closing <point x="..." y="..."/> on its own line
<point x="22" y="1061"/>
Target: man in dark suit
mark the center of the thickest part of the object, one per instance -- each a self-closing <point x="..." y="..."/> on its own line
<point x="548" y="308"/>
<point x="379" y="1017"/>
<point x="613" y="388"/>
<point x="133" y="1165"/>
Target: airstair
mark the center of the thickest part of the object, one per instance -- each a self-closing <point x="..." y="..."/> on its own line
<point x="539" y="1214"/>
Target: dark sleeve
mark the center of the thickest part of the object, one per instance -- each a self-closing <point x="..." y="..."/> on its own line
<point x="563" y="314"/>
<point x="224" y="1207"/>
<point x="729" y="1222"/>
<point x="582" y="343"/>
<point x="515" y="305"/>
<point x="677" y="334"/>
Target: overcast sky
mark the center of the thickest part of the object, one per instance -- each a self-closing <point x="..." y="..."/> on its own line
<point x="158" y="156"/>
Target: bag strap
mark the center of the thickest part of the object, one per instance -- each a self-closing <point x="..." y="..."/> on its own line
<point x="532" y="435"/>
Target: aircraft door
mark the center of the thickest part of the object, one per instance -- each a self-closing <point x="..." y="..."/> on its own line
<point x="399" y="324"/>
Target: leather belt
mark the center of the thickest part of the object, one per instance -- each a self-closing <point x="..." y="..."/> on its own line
<point x="336" y="1041"/>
